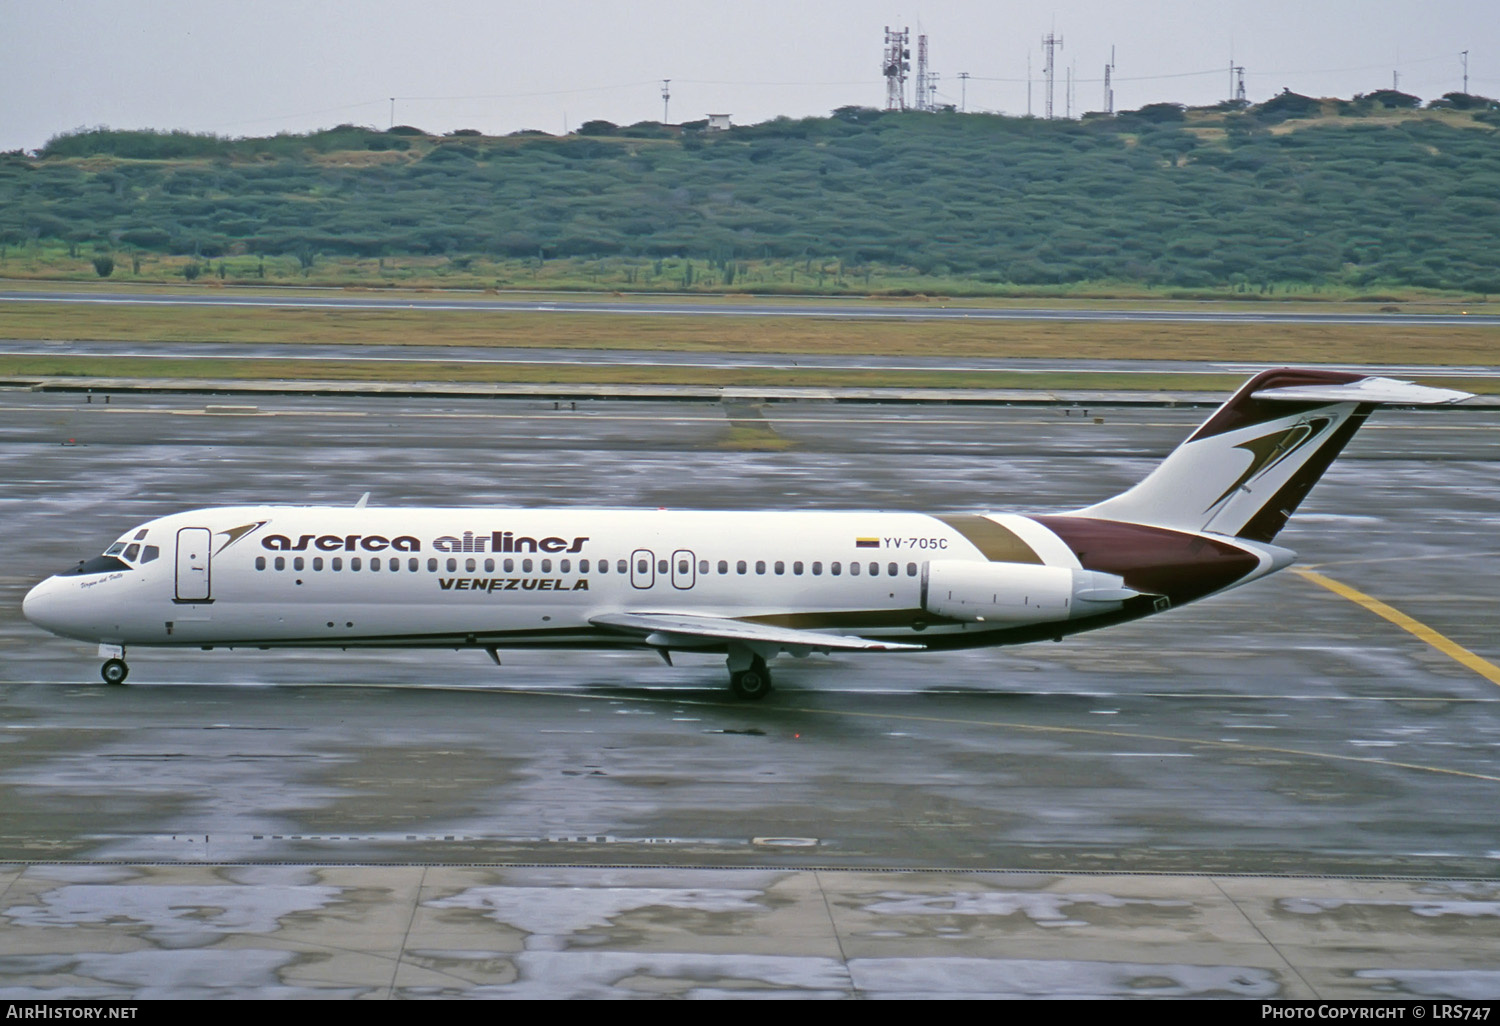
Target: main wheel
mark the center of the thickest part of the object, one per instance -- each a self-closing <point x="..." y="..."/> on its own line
<point x="752" y="684"/>
<point x="114" y="671"/>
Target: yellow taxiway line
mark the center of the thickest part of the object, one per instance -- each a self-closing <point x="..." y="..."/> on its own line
<point x="1486" y="669"/>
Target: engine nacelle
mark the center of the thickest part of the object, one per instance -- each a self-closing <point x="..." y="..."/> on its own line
<point x="1018" y="592"/>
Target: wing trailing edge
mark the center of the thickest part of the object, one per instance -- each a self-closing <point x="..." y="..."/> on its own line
<point x="686" y="630"/>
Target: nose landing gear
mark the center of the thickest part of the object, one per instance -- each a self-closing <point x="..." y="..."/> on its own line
<point x="114" y="670"/>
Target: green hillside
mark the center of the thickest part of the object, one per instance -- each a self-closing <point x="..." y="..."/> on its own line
<point x="1362" y="195"/>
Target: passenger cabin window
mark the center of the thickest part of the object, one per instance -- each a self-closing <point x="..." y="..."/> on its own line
<point x="817" y="569"/>
<point x="526" y="566"/>
<point x="911" y="569"/>
<point x="891" y="569"/>
<point x="317" y="562"/>
<point x="703" y="566"/>
<point x="338" y="563"/>
<point x="723" y="566"/>
<point x="835" y="568"/>
<point x="260" y="562"/>
<point x="797" y="568"/>
<point x="298" y="563"/>
<point x="779" y="567"/>
<point x="354" y="563"/>
<point x="853" y="569"/>
<point x="546" y="566"/>
<point x="621" y="566"/>
<point x="740" y="567"/>
<point x="432" y="564"/>
<point x="489" y="566"/>
<point x="760" y="566"/>
<point x="281" y="562"/>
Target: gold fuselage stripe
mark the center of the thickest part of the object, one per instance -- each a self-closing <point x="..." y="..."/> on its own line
<point x="999" y="544"/>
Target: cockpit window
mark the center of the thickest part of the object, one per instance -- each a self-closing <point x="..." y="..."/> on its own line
<point x="131" y="551"/>
<point x="105" y="564"/>
<point x="149" y="553"/>
<point x="115" y="549"/>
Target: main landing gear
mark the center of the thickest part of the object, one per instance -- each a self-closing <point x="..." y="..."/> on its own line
<point x="114" y="670"/>
<point x="751" y="682"/>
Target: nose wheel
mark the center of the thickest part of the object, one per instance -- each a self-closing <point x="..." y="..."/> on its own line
<point x="114" y="671"/>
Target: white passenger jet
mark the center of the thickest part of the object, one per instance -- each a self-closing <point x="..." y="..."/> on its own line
<point x="748" y="585"/>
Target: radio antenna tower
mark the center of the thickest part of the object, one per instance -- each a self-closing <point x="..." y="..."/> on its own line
<point x="1051" y="42"/>
<point x="897" y="64"/>
<point x="920" y="99"/>
<point x="1109" y="90"/>
<point x="666" y="98"/>
<point x="1237" y="83"/>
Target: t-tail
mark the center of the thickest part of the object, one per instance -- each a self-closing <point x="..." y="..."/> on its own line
<point x="1247" y="469"/>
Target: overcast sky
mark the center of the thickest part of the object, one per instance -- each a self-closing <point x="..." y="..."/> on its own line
<point x="257" y="67"/>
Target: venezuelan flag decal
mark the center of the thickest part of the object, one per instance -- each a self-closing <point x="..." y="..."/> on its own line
<point x="867" y="543"/>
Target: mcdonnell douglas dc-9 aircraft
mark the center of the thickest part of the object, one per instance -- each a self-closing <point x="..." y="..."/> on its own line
<point x="748" y="585"/>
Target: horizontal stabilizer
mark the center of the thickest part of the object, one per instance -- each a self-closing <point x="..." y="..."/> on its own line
<point x="1365" y="390"/>
<point x="678" y="630"/>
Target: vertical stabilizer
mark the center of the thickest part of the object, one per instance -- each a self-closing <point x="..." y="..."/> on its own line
<point x="1248" y="467"/>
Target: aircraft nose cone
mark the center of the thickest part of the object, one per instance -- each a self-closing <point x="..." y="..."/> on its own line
<point x="42" y="606"/>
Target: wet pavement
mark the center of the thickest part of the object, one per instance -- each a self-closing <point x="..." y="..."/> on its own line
<point x="144" y="932"/>
<point x="1225" y="755"/>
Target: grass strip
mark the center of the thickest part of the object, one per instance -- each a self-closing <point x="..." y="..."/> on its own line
<point x="392" y="372"/>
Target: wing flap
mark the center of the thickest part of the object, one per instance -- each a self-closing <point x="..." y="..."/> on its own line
<point x="662" y="628"/>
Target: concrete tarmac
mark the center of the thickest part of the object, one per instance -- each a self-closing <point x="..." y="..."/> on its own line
<point x="1272" y="793"/>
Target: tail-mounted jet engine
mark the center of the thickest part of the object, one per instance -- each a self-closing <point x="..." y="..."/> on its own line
<point x="1018" y="592"/>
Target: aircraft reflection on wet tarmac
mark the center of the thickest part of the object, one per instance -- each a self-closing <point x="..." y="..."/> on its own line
<point x="1279" y="729"/>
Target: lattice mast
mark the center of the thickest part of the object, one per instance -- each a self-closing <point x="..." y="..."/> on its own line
<point x="1051" y="42"/>
<point x="920" y="99"/>
<point x="897" y="63"/>
<point x="1109" y="89"/>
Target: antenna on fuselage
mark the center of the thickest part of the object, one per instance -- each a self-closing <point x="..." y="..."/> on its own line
<point x="362" y="500"/>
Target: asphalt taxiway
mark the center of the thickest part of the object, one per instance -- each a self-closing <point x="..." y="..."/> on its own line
<point x="815" y="307"/>
<point x="1278" y="792"/>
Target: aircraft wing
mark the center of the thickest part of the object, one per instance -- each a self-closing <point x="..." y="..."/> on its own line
<point x="686" y="630"/>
